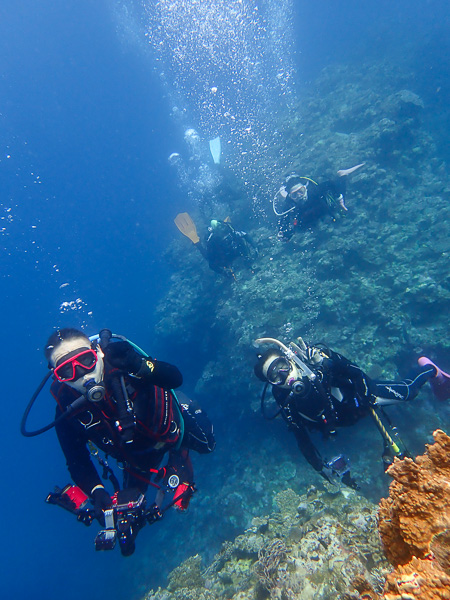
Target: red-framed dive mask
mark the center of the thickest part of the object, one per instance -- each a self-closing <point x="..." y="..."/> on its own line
<point x="66" y="371"/>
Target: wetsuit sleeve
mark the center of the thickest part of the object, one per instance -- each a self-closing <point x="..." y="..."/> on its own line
<point x="249" y="240"/>
<point x="216" y="268"/>
<point x="331" y="190"/>
<point x="163" y="374"/>
<point x="306" y="446"/>
<point x="304" y="442"/>
<point x="78" y="458"/>
<point x="247" y="244"/>
<point x="179" y="462"/>
<point x="340" y="368"/>
<point x="285" y="228"/>
<point x="198" y="429"/>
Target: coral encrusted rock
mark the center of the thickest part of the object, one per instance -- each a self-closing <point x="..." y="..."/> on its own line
<point x="414" y="524"/>
<point x="418" y="579"/>
<point x="418" y="507"/>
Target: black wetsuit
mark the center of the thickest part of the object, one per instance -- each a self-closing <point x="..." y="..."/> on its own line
<point x="322" y="407"/>
<point x="223" y="245"/>
<point x="321" y="200"/>
<point x="162" y="425"/>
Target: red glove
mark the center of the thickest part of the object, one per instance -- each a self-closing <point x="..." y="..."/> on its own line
<point x="183" y="495"/>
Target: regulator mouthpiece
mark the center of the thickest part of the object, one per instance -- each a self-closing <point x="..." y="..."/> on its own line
<point x="298" y="387"/>
<point x="94" y="391"/>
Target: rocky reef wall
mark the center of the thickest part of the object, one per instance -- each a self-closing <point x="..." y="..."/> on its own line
<point x="312" y="548"/>
<point x="372" y="283"/>
<point x="324" y="544"/>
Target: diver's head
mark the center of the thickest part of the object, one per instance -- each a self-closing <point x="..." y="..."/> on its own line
<point x="74" y="362"/>
<point x="296" y="187"/>
<point x="273" y="366"/>
<point x="220" y="228"/>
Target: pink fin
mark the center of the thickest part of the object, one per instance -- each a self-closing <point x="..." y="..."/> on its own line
<point x="439" y="384"/>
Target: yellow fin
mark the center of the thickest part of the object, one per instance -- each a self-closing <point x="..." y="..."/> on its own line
<point x="187" y="227"/>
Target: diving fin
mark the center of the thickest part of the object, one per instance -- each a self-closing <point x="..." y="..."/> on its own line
<point x="187" y="227"/>
<point x="344" y="172"/>
<point x="440" y="383"/>
<point x="215" y="149"/>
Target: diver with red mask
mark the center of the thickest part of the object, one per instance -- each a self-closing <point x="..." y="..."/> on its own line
<point x="113" y="397"/>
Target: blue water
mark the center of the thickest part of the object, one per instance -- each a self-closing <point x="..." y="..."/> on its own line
<point x="87" y="198"/>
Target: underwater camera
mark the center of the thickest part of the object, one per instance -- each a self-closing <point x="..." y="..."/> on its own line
<point x="123" y="520"/>
<point x="339" y="465"/>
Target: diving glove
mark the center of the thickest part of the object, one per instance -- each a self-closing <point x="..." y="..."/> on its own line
<point x="348" y="481"/>
<point x="124" y="357"/>
<point x="101" y="501"/>
<point x="309" y="354"/>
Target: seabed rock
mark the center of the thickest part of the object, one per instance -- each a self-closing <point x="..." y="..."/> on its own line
<point x="372" y="283"/>
<point x="290" y="556"/>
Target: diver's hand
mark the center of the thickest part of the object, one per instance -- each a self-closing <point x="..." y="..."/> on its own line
<point x="348" y="481"/>
<point x="327" y="474"/>
<point x="102" y="501"/>
<point x="283" y="237"/>
<point x="334" y="477"/>
<point x="315" y="356"/>
<point x="309" y="353"/>
<point x="303" y="348"/>
<point x="122" y="356"/>
<point x="342" y="202"/>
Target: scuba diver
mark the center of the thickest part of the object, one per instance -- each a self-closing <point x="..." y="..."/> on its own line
<point x="317" y="389"/>
<point x="112" y="397"/>
<point x="222" y="246"/>
<point x="300" y="202"/>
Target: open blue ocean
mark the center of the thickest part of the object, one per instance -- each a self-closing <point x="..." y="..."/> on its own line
<point x="107" y="108"/>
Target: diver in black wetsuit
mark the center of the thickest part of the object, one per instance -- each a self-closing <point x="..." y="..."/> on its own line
<point x="223" y="245"/>
<point x="301" y="201"/>
<point x="130" y="412"/>
<point x="318" y="389"/>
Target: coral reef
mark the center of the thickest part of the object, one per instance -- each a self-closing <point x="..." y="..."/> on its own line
<point x="419" y="579"/>
<point x="324" y="544"/>
<point x="418" y="507"/>
<point x="314" y="548"/>
<point x="414" y="524"/>
<point x="372" y="283"/>
<point x="187" y="575"/>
